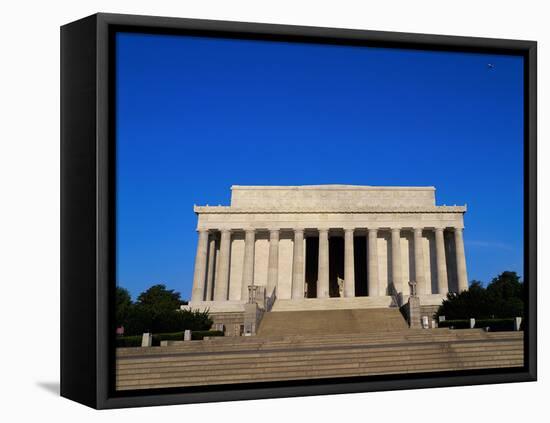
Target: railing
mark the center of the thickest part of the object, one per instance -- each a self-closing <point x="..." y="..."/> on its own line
<point x="255" y="308"/>
<point x="258" y="295"/>
<point x="270" y="300"/>
<point x="397" y="297"/>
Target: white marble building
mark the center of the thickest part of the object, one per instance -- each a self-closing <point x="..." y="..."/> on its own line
<point x="328" y="246"/>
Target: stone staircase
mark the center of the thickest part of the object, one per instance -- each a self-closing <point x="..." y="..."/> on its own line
<point x="256" y="359"/>
<point x="325" y="322"/>
<point x="346" y="303"/>
<point x="334" y="303"/>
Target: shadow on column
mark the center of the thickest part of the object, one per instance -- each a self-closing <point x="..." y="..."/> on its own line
<point x="434" y="276"/>
<point x="412" y="271"/>
<point x="450" y="257"/>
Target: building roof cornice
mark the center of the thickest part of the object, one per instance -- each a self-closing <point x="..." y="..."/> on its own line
<point x="330" y="187"/>
<point x="342" y="210"/>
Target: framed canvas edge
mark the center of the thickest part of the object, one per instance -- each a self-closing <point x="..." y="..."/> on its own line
<point x="78" y="220"/>
<point x="104" y="168"/>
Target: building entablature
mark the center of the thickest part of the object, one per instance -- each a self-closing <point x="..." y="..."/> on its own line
<point x="329" y="221"/>
<point x="339" y="210"/>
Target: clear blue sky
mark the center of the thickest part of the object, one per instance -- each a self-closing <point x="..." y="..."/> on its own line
<point x="197" y="115"/>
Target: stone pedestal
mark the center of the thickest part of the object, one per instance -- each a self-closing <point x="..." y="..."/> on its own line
<point x="147" y="340"/>
<point x="252" y="316"/>
<point x="425" y="322"/>
<point x="413" y="308"/>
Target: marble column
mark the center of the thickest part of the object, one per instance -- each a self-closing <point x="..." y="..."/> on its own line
<point x="442" y="279"/>
<point x="221" y="288"/>
<point x="323" y="273"/>
<point x="349" y="264"/>
<point x="298" y="264"/>
<point x="211" y="268"/>
<point x="460" y="261"/>
<point x="248" y="263"/>
<point x="419" y="270"/>
<point x="199" y="278"/>
<point x="273" y="262"/>
<point x="396" y="270"/>
<point x="372" y="264"/>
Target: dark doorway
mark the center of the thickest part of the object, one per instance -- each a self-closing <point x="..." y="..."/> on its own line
<point x="312" y="266"/>
<point x="360" y="262"/>
<point x="336" y="264"/>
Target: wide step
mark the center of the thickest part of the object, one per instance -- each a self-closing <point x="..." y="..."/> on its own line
<point x="242" y="360"/>
<point x="305" y="304"/>
<point x="325" y="322"/>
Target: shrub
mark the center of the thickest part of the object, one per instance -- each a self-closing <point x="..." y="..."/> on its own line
<point x="456" y="324"/>
<point x="495" y="325"/>
<point x="128" y="341"/>
<point x="503" y="298"/>
<point x="155" y="311"/>
<point x="174" y="336"/>
<point x="145" y="319"/>
<point x="200" y="334"/>
<point x="135" y="340"/>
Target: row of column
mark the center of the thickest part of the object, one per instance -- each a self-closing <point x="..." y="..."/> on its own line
<point x="205" y="286"/>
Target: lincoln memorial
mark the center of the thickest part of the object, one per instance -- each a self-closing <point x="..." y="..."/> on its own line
<point x="324" y="281"/>
<point x="327" y="247"/>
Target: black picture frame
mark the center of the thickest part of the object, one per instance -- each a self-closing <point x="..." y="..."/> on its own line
<point x="88" y="219"/>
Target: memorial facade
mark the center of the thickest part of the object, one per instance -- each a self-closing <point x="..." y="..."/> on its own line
<point x="328" y="245"/>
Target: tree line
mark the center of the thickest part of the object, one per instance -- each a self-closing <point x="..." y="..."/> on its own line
<point x="157" y="310"/>
<point x="502" y="298"/>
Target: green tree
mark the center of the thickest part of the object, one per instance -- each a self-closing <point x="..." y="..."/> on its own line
<point x="505" y="286"/>
<point x="157" y="310"/>
<point x="505" y="293"/>
<point x="160" y="299"/>
<point x="123" y="305"/>
<point x="471" y="303"/>
<point x="503" y="298"/>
